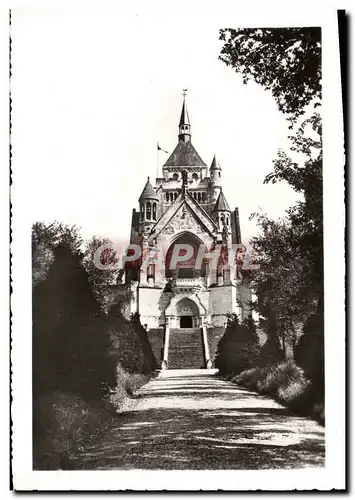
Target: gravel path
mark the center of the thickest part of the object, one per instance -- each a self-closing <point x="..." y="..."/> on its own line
<point x="195" y="420"/>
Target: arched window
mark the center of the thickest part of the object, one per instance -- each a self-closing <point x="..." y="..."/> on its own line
<point x="194" y="176"/>
<point x="222" y="219"/>
<point x="148" y="210"/>
<point x="203" y="196"/>
<point x="195" y="196"/>
<point x="175" y="196"/>
<point x="142" y="211"/>
<point x="154" y="211"/>
<point x="171" y="197"/>
<point x="176" y="176"/>
<point x="227" y="221"/>
<point x="166" y="196"/>
<point x="219" y="174"/>
<point x="199" y="197"/>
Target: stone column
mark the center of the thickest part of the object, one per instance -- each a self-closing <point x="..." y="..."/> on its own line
<point x="164" y="365"/>
<point x="205" y="345"/>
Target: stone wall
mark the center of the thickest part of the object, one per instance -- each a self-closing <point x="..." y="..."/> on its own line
<point x="223" y="300"/>
<point x="150" y="306"/>
<point x="156" y="339"/>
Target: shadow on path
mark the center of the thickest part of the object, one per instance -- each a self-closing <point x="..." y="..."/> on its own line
<point x="212" y="424"/>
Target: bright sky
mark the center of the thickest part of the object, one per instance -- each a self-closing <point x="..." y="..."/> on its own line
<point x="94" y="90"/>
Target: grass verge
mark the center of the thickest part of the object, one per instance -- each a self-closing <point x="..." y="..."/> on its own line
<point x="65" y="424"/>
<point x="285" y="382"/>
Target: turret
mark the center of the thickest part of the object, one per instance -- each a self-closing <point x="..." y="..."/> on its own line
<point x="148" y="203"/>
<point x="215" y="180"/>
<point x="215" y="173"/>
<point x="222" y="214"/>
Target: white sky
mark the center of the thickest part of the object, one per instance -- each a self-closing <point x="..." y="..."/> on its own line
<point x="94" y="90"/>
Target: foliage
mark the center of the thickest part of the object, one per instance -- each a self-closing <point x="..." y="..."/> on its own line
<point x="102" y="281"/>
<point x="309" y="352"/>
<point x="45" y="238"/>
<point x="289" y="283"/>
<point x="76" y="348"/>
<point x="285" y="382"/>
<point x="125" y="345"/>
<point x="286" y="61"/>
<point x="126" y="385"/>
<point x="238" y="348"/>
<point x="64" y="424"/>
<point x="70" y="334"/>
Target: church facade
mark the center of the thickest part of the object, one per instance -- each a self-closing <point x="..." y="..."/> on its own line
<point x="183" y="286"/>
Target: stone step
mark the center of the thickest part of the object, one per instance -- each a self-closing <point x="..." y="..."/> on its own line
<point x="185" y="349"/>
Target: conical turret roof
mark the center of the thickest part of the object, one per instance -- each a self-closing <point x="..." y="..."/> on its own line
<point x="221" y="204"/>
<point x="215" y="165"/>
<point x="148" y="192"/>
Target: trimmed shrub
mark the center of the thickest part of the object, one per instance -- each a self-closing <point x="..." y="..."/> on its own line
<point x="279" y="375"/>
<point x="238" y="348"/>
<point x="309" y="352"/>
<point x="126" y="385"/>
<point x="249" y="378"/>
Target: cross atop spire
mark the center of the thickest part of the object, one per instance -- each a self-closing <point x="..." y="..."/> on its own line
<point x="184" y="93"/>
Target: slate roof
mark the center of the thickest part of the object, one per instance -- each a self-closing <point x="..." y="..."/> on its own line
<point x="221" y="203"/>
<point x="215" y="165"/>
<point x="148" y="192"/>
<point x="184" y="155"/>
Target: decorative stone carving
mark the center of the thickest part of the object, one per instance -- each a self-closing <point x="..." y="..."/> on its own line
<point x="190" y="222"/>
<point x="184" y="220"/>
<point x="168" y="229"/>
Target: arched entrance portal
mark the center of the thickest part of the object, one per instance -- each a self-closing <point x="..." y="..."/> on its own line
<point x="184" y="268"/>
<point x="186" y="349"/>
<point x="187" y="314"/>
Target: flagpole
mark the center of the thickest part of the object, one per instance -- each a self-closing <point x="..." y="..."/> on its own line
<point x="158" y="159"/>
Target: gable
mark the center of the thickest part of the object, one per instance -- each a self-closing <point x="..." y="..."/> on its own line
<point x="184" y="214"/>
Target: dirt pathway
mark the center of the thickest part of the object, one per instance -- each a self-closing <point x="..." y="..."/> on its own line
<point x="195" y="420"/>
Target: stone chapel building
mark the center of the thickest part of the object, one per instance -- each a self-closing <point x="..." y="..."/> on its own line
<point x="184" y="307"/>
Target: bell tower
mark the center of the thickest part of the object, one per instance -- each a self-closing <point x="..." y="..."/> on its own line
<point x="184" y="124"/>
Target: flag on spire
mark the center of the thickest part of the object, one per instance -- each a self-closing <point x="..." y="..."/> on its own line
<point x="160" y="149"/>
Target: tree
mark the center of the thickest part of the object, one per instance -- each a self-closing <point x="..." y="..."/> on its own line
<point x="286" y="61"/>
<point x="102" y="281"/>
<point x="305" y="176"/>
<point x="238" y="348"/>
<point x="70" y="334"/>
<point x="45" y="238"/>
<point x="289" y="284"/>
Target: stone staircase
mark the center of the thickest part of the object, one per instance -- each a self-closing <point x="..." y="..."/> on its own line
<point x="185" y="349"/>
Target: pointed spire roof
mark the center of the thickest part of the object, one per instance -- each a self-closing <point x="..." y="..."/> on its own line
<point x="215" y="165"/>
<point x="184" y="118"/>
<point x="148" y="192"/>
<point x="221" y="204"/>
<point x="184" y="124"/>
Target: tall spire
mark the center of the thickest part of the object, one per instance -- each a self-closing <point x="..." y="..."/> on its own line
<point x="184" y="124"/>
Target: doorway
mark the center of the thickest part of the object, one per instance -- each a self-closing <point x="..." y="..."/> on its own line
<point x="185" y="321"/>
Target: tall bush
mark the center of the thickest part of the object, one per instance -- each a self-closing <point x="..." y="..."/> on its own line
<point x="239" y="347"/>
<point x="70" y="334"/>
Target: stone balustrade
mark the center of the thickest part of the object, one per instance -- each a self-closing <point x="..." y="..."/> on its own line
<point x="187" y="284"/>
